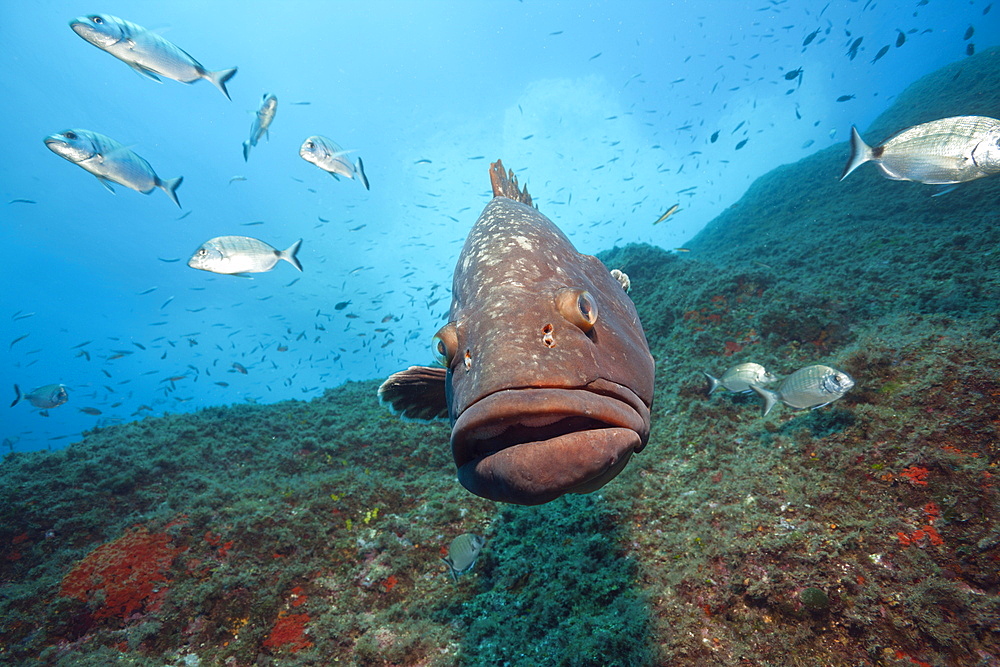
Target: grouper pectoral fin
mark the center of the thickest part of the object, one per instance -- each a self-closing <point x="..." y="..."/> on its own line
<point x="418" y="393"/>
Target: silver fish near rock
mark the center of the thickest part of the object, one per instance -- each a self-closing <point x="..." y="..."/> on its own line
<point x="739" y="378"/>
<point x="110" y="162"/>
<point x="241" y="254"/>
<point x="146" y="52"/>
<point x="941" y="152"/>
<point x="462" y="553"/>
<point x="49" y="396"/>
<point x="331" y="158"/>
<point x="547" y="378"/>
<point x="261" y="122"/>
<point x="809" y="387"/>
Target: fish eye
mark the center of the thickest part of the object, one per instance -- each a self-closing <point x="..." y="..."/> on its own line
<point x="97" y="19"/>
<point x="310" y="145"/>
<point x="578" y="307"/>
<point x="69" y="135"/>
<point x="445" y="343"/>
<point x="202" y="252"/>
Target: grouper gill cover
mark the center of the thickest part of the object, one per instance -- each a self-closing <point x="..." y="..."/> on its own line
<point x="548" y="380"/>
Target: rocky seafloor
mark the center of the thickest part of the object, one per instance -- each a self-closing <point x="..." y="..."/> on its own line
<point x="862" y="533"/>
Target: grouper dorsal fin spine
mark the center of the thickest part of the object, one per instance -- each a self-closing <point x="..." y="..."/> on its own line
<point x="505" y="184"/>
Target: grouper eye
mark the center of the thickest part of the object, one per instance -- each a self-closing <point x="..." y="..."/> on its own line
<point x="445" y="343"/>
<point x="578" y="307"/>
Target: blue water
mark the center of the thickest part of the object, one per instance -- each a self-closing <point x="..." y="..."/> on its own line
<point x="605" y="110"/>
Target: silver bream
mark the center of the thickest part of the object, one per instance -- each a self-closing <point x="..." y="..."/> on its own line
<point x="110" y="162"/>
<point x="261" y="122"/>
<point x="241" y="254"/>
<point x="328" y="156"/>
<point x="809" y="387"/>
<point x="739" y="378"/>
<point x="146" y="52"/>
<point x="941" y="152"/>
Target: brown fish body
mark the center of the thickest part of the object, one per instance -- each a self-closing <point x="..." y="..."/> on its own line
<point x="549" y="378"/>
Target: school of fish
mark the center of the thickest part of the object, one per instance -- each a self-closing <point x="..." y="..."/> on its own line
<point x="506" y="447"/>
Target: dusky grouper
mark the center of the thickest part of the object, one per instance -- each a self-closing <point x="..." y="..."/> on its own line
<point x="547" y="377"/>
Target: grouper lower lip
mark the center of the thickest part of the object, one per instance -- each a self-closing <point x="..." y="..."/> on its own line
<point x="531" y="445"/>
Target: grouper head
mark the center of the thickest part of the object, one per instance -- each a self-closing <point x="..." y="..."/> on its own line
<point x="547" y="376"/>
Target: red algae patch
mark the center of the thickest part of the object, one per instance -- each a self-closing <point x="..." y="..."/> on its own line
<point x="129" y="573"/>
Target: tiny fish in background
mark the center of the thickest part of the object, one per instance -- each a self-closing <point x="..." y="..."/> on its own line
<point x="809" y="387"/>
<point x="146" y="52"/>
<point x="110" y="162"/>
<point x="670" y="211"/>
<point x="462" y="553"/>
<point x="241" y="254"/>
<point x="328" y="156"/>
<point x="947" y="151"/>
<point x="48" y="396"/>
<point x="739" y="378"/>
<point x="261" y="122"/>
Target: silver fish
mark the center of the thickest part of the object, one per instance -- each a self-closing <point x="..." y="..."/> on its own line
<point x="261" y="123"/>
<point x="946" y="151"/>
<point x="49" y="396"/>
<point x="241" y="254"/>
<point x="462" y="553"/>
<point x="809" y="387"/>
<point x="146" y="52"/>
<point x="739" y="378"/>
<point x="110" y="162"/>
<point x="328" y="156"/>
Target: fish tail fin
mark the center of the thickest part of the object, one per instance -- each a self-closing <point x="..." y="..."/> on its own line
<point x="246" y="150"/>
<point x="360" y="166"/>
<point x="219" y="79"/>
<point x="860" y="153"/>
<point x="505" y="184"/>
<point x="713" y="383"/>
<point x="17" y="396"/>
<point x="289" y="255"/>
<point x="770" y="398"/>
<point x="170" y="187"/>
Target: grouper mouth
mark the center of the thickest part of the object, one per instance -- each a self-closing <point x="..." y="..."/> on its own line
<point x="531" y="445"/>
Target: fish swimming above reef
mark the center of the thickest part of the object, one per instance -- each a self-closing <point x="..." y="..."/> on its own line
<point x="146" y="52"/>
<point x="328" y="156"/>
<point x="44" y="398"/>
<point x="941" y="152"/>
<point x="809" y="387"/>
<point x="110" y="162"/>
<point x="241" y="254"/>
<point x="739" y="378"/>
<point x="462" y="553"/>
<point x="547" y="378"/>
<point x="261" y="122"/>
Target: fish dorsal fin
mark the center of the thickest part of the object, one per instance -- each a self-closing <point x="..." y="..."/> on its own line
<point x="505" y="184"/>
<point x="416" y="394"/>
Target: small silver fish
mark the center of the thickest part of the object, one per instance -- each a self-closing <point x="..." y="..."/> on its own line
<point x="462" y="553"/>
<point x="739" y="378"/>
<point x="328" y="156"/>
<point x="146" y="52"/>
<point x="49" y="396"/>
<point x="110" y="162"/>
<point x="946" y="151"/>
<point x="241" y="254"/>
<point x="809" y="387"/>
<point x="261" y="123"/>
